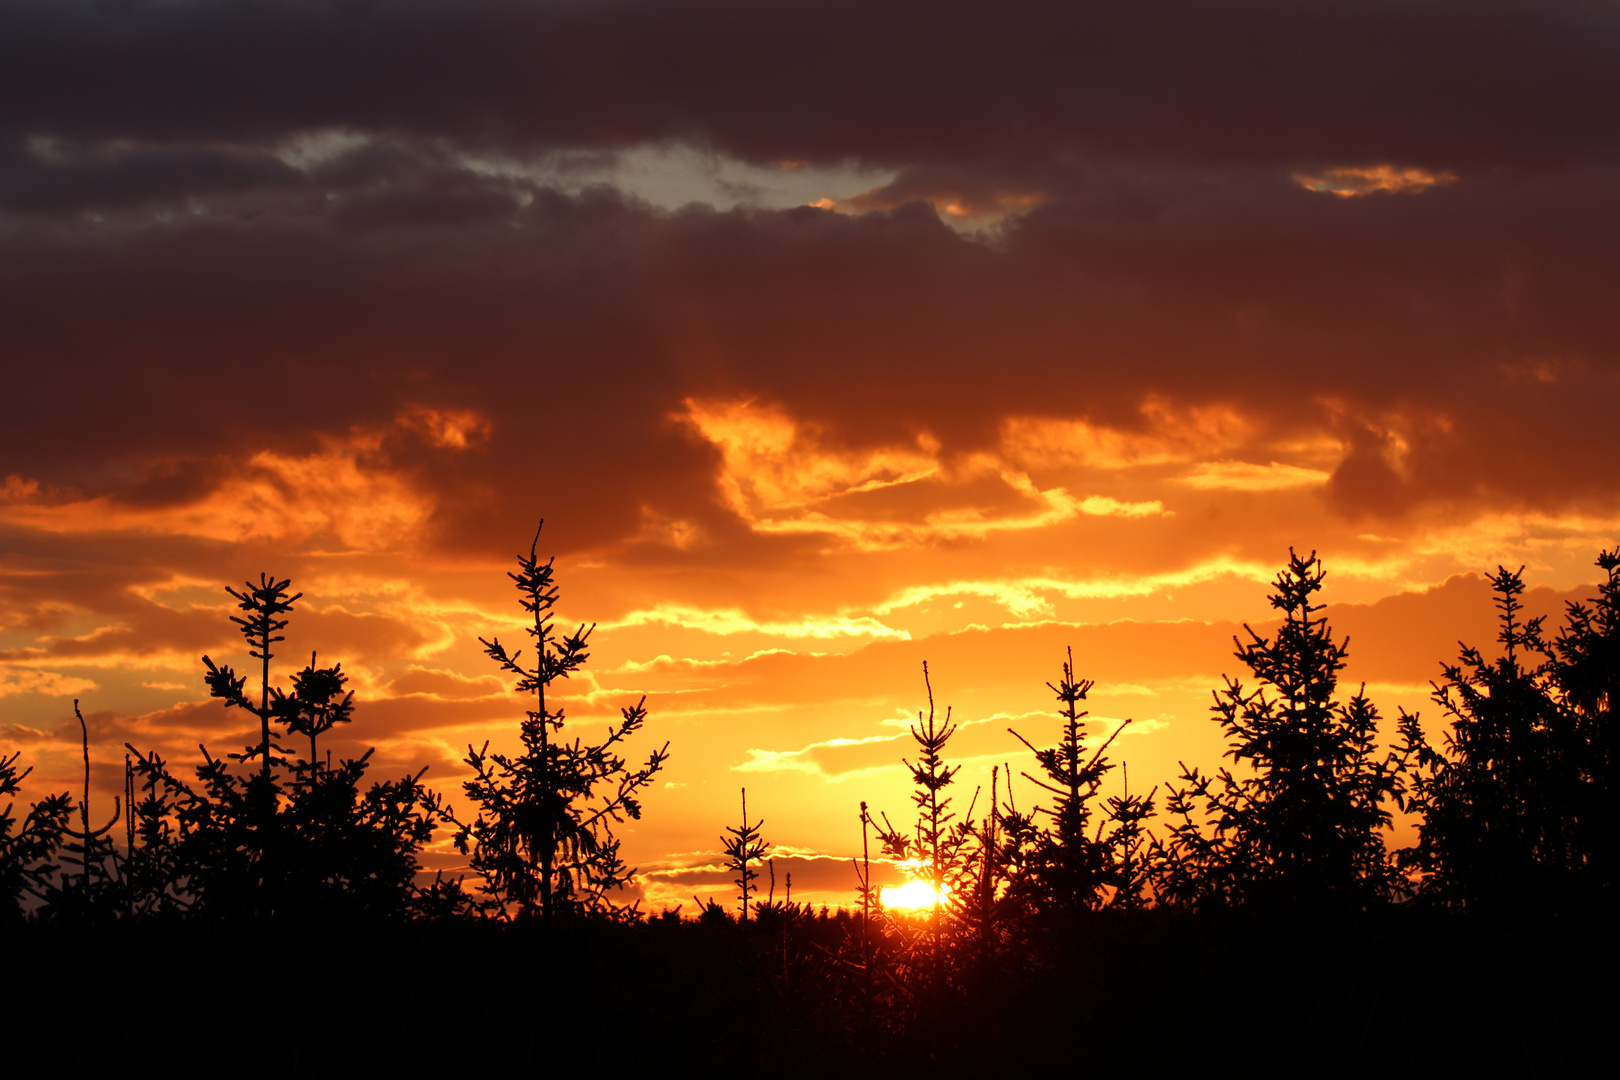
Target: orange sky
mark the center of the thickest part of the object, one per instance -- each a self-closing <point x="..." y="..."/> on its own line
<point x="794" y="677"/>
<point x="965" y="340"/>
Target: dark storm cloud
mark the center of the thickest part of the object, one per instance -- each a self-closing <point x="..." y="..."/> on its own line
<point x="578" y="325"/>
<point x="1456" y="84"/>
<point x="179" y="289"/>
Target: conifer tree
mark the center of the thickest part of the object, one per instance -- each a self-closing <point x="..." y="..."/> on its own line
<point x="1302" y="826"/>
<point x="317" y="704"/>
<point x="743" y="846"/>
<point x="1501" y="805"/>
<point x="936" y="846"/>
<point x="28" y="848"/>
<point x="1129" y="846"/>
<point x="1069" y="869"/>
<point x="289" y="837"/>
<point x="543" y="839"/>
<point x="266" y="605"/>
<point x="1586" y="671"/>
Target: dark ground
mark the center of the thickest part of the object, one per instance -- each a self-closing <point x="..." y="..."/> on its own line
<point x="1403" y="992"/>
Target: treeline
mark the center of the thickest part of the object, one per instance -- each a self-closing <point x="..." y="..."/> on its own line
<point x="1287" y="845"/>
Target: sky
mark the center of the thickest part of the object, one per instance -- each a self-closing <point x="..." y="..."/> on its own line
<point x="827" y="339"/>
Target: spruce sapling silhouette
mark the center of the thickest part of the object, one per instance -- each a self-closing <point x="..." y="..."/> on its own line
<point x="1069" y="869"/>
<point x="1586" y="672"/>
<point x="543" y="839"/>
<point x="1500" y="806"/>
<point x="265" y="604"/>
<point x="1129" y="845"/>
<point x="939" y="847"/>
<point x="977" y="902"/>
<point x="317" y="704"/>
<point x="742" y="846"/>
<point x="1303" y="829"/>
<point x="289" y="838"/>
<point x="28" y="848"/>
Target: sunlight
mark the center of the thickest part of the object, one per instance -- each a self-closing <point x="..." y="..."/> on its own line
<point x="913" y="896"/>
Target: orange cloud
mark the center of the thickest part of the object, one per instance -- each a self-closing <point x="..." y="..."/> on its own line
<point x="783" y="477"/>
<point x="1349" y="181"/>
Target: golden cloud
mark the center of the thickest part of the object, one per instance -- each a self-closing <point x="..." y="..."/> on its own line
<point x="783" y="477"/>
<point x="25" y="680"/>
<point x="1247" y="476"/>
<point x="1350" y="181"/>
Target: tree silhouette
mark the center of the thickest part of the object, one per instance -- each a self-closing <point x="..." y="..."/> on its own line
<point x="1303" y="827"/>
<point x="1068" y="868"/>
<point x="994" y="889"/>
<point x="1586" y="671"/>
<point x="265" y="604"/>
<point x="28" y="848"/>
<point x="1500" y="806"/>
<point x="291" y="838"/>
<point x="95" y="887"/>
<point x="317" y="704"/>
<point x="937" y="846"/>
<point x="1129" y="845"/>
<point x="543" y="839"/>
<point x="742" y="846"/>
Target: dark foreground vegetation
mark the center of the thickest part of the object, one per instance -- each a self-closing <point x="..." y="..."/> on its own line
<point x="1256" y="918"/>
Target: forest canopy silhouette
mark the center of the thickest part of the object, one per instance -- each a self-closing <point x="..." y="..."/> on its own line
<point x="1012" y="911"/>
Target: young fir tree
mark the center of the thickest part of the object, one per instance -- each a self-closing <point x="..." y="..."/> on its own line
<point x="290" y="837"/>
<point x="1069" y="869"/>
<point x="543" y="839"/>
<point x="1501" y="805"/>
<point x="1302" y="827"/>
<point x="317" y="704"/>
<point x="936" y="848"/>
<point x="265" y="605"/>
<point x="1129" y="846"/>
<point x="28" y="848"/>
<point x="993" y="891"/>
<point x="1586" y="672"/>
<point x="743" y="846"/>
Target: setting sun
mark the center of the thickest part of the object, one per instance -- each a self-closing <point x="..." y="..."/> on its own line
<point x="913" y="896"/>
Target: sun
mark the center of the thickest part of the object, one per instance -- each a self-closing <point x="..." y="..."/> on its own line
<point x="912" y="896"/>
<point x="917" y="894"/>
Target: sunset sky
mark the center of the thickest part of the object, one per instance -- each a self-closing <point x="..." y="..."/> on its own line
<point x="827" y="338"/>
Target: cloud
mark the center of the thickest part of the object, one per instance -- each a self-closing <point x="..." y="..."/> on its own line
<point x="1248" y="476"/>
<point x="1348" y="182"/>
<point x="22" y="680"/>
<point x="736" y="621"/>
